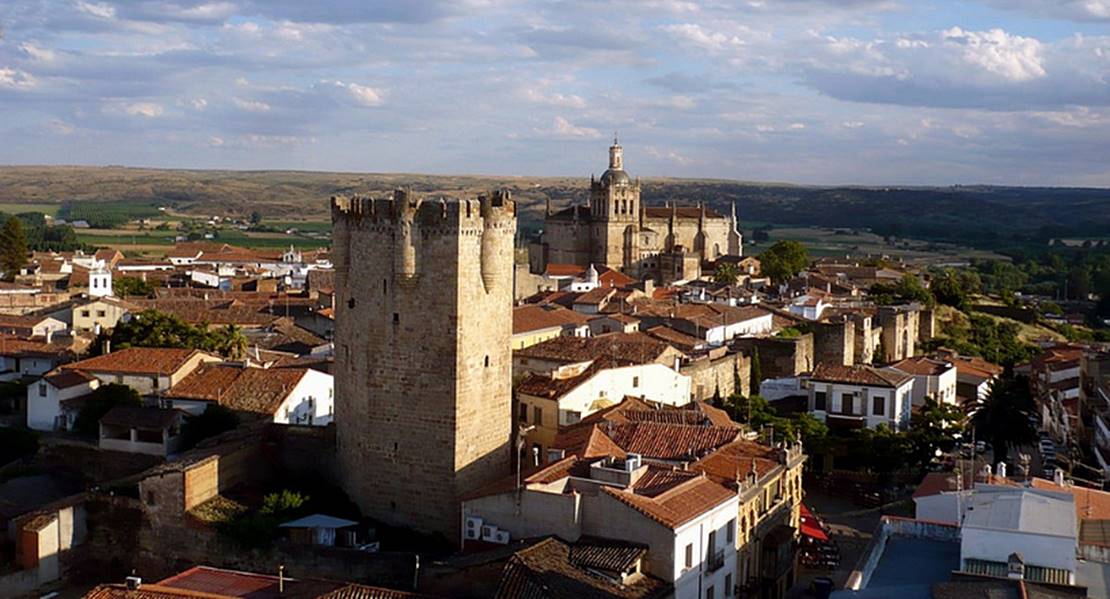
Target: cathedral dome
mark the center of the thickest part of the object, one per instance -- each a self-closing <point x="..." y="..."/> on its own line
<point x="615" y="177"/>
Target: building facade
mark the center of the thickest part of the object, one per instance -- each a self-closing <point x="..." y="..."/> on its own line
<point x="423" y="364"/>
<point x="615" y="229"/>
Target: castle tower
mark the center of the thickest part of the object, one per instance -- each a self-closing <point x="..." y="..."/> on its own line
<point x="615" y="211"/>
<point x="422" y="353"/>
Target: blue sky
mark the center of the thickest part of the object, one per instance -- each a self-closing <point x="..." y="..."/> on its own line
<point x="804" y="91"/>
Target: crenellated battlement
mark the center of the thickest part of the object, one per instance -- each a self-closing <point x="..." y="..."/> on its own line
<point x="496" y="210"/>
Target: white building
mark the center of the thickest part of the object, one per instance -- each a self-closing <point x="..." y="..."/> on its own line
<point x="46" y="399"/>
<point x="809" y="307"/>
<point x="282" y="395"/>
<point x="931" y="378"/>
<point x="100" y="283"/>
<point x="1036" y="524"/>
<point x="687" y="520"/>
<point x="853" y="396"/>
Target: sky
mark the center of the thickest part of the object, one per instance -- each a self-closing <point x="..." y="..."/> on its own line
<point x="871" y="92"/>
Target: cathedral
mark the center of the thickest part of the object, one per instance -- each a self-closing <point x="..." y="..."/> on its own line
<point x="665" y="243"/>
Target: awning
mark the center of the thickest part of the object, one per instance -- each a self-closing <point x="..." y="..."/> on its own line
<point x="811" y="526"/>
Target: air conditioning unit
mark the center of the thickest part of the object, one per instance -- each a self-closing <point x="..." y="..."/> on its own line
<point x="473" y="530"/>
<point x="489" y="532"/>
<point x="501" y="537"/>
<point x="133" y="583"/>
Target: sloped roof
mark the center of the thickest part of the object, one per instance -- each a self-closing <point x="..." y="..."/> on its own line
<point x="532" y="317"/>
<point x="859" y="375"/>
<point x="634" y="348"/>
<point x="669" y="441"/>
<point x="246" y="389"/>
<point x="737" y="459"/>
<point x="677" y="505"/>
<point x="555" y="568"/>
<point x="138" y="360"/>
<point x="64" y="379"/>
<point x="922" y="366"/>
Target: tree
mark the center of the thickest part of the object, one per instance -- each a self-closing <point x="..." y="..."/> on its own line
<point x="783" y="260"/>
<point x="133" y="286"/>
<point x="214" y="420"/>
<point x="233" y="343"/>
<point x="100" y="401"/>
<point x="13" y="248"/>
<point x="813" y="433"/>
<point x="256" y="218"/>
<point x="151" y="328"/>
<point x="949" y="289"/>
<point x="907" y="289"/>
<point x="725" y="274"/>
<point x="881" y="450"/>
<point x="936" y="426"/>
<point x="1002" y="418"/>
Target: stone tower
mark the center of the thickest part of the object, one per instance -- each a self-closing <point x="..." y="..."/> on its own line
<point x="423" y="365"/>
<point x="615" y="211"/>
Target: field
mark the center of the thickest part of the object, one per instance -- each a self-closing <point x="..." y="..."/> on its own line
<point x="986" y="217"/>
<point x="17" y="208"/>
<point x="822" y="241"/>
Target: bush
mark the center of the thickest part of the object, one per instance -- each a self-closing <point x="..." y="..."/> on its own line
<point x="214" y="420"/>
<point x="100" y="402"/>
<point x="17" y="443"/>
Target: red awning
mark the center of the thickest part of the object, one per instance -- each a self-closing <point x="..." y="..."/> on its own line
<point x="811" y="526"/>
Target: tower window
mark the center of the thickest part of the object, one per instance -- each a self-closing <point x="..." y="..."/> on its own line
<point x="487" y="361"/>
<point x="396" y="318"/>
<point x="385" y="286"/>
<point x="351" y="303"/>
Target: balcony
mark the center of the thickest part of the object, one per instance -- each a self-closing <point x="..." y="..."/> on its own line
<point x="715" y="561"/>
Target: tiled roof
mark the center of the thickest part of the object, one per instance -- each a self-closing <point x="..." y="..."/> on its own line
<point x="553" y="568"/>
<point x="737" y="459"/>
<point x="1090" y="504"/>
<point x="587" y="442"/>
<point x="669" y="441"/>
<point x="564" y="270"/>
<point x="533" y="317"/>
<point x="922" y="366"/>
<point x="148" y="591"/>
<point x="674" y="337"/>
<point x="682" y="212"/>
<point x="634" y="348"/>
<point x="540" y="385"/>
<point x="595" y="297"/>
<point x="258" y="390"/>
<point x="66" y="378"/>
<point x="217" y="582"/>
<point x="677" y="505"/>
<point x="138" y="360"/>
<point x="14" y="346"/>
<point x="361" y="591"/>
<point x="140" y="417"/>
<point x="936" y="483"/>
<point x="215" y="312"/>
<point x="859" y="375"/>
<point x="608" y="277"/>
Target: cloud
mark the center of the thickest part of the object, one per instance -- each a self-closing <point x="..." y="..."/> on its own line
<point x="15" y="79"/>
<point x="251" y="105"/>
<point x="100" y="10"/>
<point x="565" y="129"/>
<point x="144" y="109"/>
<point x="538" y="94"/>
<point x="1077" y="10"/>
<point x="1012" y="57"/>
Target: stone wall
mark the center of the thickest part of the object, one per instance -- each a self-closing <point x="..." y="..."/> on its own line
<point x="834" y="342"/>
<point x="780" y="357"/>
<point x="710" y="375"/>
<point x="424" y="292"/>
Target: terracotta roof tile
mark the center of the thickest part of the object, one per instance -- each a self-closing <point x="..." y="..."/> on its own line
<point x="859" y="375"/>
<point x="669" y="441"/>
<point x="138" y="360"/>
<point x="922" y="366"/>
<point x="66" y="378"/>
<point x="554" y="568"/>
<point x="533" y="317"/>
<point x="634" y="348"/>
<point x="258" y="390"/>
<point x="679" y="504"/>
<point x="737" y="458"/>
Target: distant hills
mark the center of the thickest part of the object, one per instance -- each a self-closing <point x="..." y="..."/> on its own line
<point x="983" y="216"/>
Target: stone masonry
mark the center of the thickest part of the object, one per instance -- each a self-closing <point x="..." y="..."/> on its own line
<point x="424" y="292"/>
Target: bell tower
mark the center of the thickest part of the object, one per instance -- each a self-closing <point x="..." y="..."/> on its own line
<point x="615" y="208"/>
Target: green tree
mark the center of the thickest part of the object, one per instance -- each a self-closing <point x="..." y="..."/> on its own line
<point x="725" y="274"/>
<point x="1002" y="418"/>
<point x="13" y="248"/>
<point x="256" y="218"/>
<point x="100" y="401"/>
<point x="232" y="342"/>
<point x="132" y="286"/>
<point x="151" y="328"/>
<point x="881" y="450"/>
<point x="935" y="426"/>
<point x="214" y="420"/>
<point x="949" y="289"/>
<point x="908" y="289"/>
<point x="783" y="260"/>
<point x="813" y="433"/>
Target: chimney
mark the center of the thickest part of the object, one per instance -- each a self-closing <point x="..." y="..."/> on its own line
<point x="49" y="335"/>
<point x="281" y="579"/>
<point x="1058" y="477"/>
<point x="133" y="583"/>
<point x="1000" y="471"/>
<point x="107" y="346"/>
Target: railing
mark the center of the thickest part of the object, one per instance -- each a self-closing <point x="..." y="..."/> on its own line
<point x="715" y="562"/>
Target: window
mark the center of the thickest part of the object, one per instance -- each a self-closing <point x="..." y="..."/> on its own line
<point x="878" y="405"/>
<point x="635" y="381"/>
<point x="42" y="389"/>
<point x="689" y="555"/>
<point x="537" y="416"/>
<point x="396" y="318"/>
<point x="709" y="593"/>
<point x="847" y="401"/>
<point x="573" y="416"/>
<point x="487" y="361"/>
<point x="820" y="399"/>
<point x="522" y="412"/>
<point x="731" y="535"/>
<point x="84" y="313"/>
<point x="154" y="382"/>
<point x="100" y="313"/>
<point x="728" y="585"/>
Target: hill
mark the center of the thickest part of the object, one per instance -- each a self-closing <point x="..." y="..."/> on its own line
<point x="983" y="216"/>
